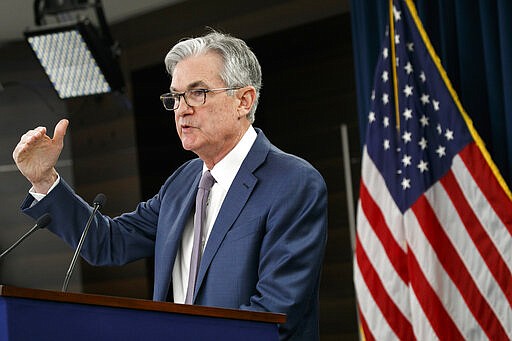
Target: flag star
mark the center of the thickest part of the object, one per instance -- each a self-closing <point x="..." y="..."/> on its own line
<point x="397" y="14"/>
<point x="406" y="183"/>
<point x="435" y="104"/>
<point x="424" y="120"/>
<point x="397" y="61"/>
<point x="399" y="171"/>
<point x="386" y="145"/>
<point x="407" y="136"/>
<point x="397" y="39"/>
<point x="423" y="143"/>
<point x="385" y="76"/>
<point x="439" y="129"/>
<point x="425" y="99"/>
<point x="407" y="114"/>
<point x="449" y="134"/>
<point x="423" y="77"/>
<point x="406" y="160"/>
<point x="385" y="121"/>
<point x="385" y="53"/>
<point x="408" y="68"/>
<point x="385" y="98"/>
<point x="441" y="151"/>
<point x="408" y="90"/>
<point x="423" y="166"/>
<point x="371" y="117"/>
<point x="410" y="47"/>
<point x="373" y="95"/>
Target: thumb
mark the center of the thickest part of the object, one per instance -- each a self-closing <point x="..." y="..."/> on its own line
<point x="60" y="131"/>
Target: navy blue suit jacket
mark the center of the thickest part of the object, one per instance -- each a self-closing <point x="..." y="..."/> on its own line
<point x="265" y="250"/>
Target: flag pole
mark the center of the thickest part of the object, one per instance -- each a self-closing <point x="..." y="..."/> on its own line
<point x="393" y="62"/>
<point x="347" y="170"/>
<point x="348" y="185"/>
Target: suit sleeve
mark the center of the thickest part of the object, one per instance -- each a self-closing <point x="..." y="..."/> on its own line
<point x="109" y="241"/>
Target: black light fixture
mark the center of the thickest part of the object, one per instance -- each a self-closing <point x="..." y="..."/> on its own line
<point x="78" y="59"/>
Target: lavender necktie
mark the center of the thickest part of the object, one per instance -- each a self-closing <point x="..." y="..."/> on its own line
<point x="205" y="184"/>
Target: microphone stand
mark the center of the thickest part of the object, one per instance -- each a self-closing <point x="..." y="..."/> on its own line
<point x="99" y="201"/>
<point x="43" y="220"/>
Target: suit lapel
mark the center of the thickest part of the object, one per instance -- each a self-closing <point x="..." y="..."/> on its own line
<point x="235" y="200"/>
<point x="175" y="234"/>
<point x="173" y="240"/>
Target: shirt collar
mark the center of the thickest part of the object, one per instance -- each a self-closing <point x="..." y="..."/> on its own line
<point x="226" y="169"/>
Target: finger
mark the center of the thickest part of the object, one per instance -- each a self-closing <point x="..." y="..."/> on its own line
<point x="19" y="150"/>
<point x="41" y="130"/>
<point x="38" y="132"/>
<point x="60" y="131"/>
<point x="33" y="134"/>
<point x="16" y="151"/>
<point x="30" y="138"/>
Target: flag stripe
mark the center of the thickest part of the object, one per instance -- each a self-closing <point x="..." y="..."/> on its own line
<point x="446" y="212"/>
<point x="480" y="238"/>
<point x="376" y="187"/>
<point x="488" y="184"/>
<point x="374" y="248"/>
<point x="480" y="195"/>
<point x="369" y="310"/>
<point x="456" y="269"/>
<point x="367" y="334"/>
<point x="439" y="280"/>
<point x="422" y="328"/>
<point x="396" y="320"/>
<point x="376" y="219"/>
<point x="440" y="320"/>
<point x="377" y="255"/>
<point x="492" y="224"/>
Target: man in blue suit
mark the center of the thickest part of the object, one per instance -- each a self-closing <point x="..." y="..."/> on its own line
<point x="266" y="218"/>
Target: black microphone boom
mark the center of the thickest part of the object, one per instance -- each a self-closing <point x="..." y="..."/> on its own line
<point x="42" y="222"/>
<point x="99" y="202"/>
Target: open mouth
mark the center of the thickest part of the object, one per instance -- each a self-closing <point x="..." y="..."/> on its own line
<point x="186" y="128"/>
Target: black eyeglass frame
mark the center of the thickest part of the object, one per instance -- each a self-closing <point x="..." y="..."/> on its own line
<point x="176" y="96"/>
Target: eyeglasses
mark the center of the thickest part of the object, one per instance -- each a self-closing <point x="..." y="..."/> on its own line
<point x="193" y="97"/>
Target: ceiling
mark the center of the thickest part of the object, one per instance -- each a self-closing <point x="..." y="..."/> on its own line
<point x="17" y="15"/>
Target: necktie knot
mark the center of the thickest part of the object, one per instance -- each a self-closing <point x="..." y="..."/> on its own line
<point x="207" y="181"/>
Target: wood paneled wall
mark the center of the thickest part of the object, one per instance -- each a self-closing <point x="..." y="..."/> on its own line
<point x="126" y="152"/>
<point x="105" y="160"/>
<point x="27" y="101"/>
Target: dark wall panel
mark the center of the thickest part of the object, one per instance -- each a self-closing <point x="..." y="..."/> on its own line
<point x="127" y="152"/>
<point x="27" y="101"/>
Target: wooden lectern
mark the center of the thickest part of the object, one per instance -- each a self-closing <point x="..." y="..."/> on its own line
<point x="32" y="314"/>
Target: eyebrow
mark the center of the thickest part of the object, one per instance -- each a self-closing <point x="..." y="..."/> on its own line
<point x="193" y="85"/>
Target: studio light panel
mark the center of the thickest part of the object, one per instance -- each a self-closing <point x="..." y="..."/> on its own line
<point x="76" y="61"/>
<point x="69" y="64"/>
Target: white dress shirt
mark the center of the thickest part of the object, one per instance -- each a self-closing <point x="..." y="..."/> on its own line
<point x="224" y="173"/>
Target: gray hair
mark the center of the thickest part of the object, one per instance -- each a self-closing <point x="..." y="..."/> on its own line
<point x="241" y="67"/>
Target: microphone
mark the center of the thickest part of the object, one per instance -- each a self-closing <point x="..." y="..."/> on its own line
<point x="42" y="222"/>
<point x="99" y="202"/>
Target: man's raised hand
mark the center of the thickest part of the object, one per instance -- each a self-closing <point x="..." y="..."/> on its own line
<point x="36" y="155"/>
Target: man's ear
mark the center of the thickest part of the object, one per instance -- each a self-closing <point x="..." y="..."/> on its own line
<point x="247" y="96"/>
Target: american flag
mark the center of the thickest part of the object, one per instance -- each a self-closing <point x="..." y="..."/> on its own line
<point x="433" y="253"/>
